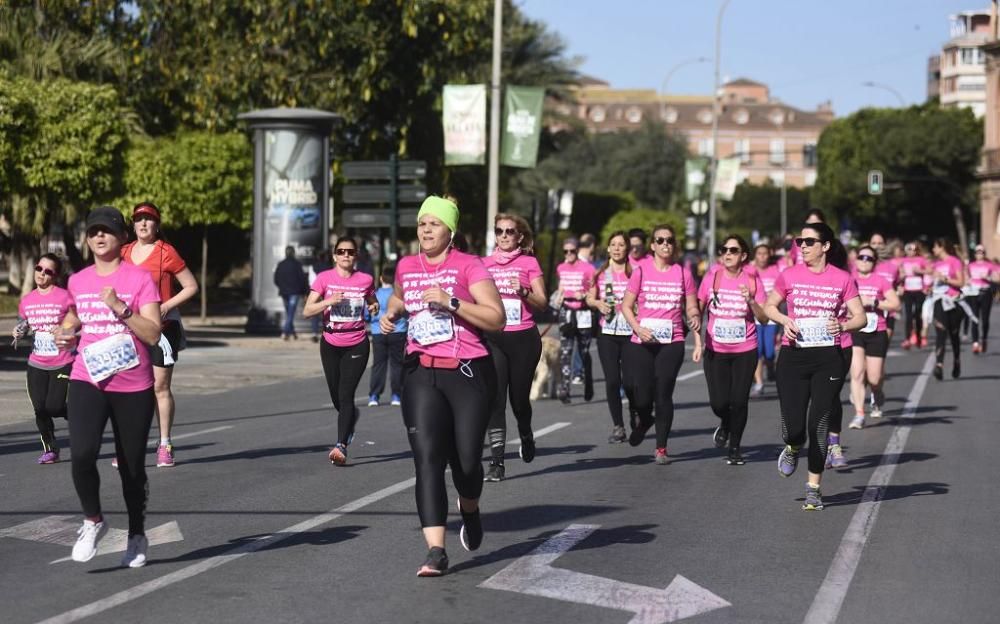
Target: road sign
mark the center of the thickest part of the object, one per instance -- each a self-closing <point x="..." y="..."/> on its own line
<point x="382" y="193"/>
<point x="875" y="182"/>
<point x="378" y="217"/>
<point x="382" y="170"/>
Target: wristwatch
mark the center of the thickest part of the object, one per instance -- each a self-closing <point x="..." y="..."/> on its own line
<point x="454" y="303"/>
<point x="126" y="314"/>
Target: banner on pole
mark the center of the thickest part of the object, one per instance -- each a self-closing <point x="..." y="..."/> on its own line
<point x="726" y="177"/>
<point x="522" y="126"/>
<point x="695" y="177"/>
<point x="464" y="121"/>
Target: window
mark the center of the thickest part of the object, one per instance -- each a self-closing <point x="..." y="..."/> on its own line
<point x="597" y="114"/>
<point x="777" y="116"/>
<point x="633" y="114"/>
<point x="705" y="116"/>
<point x="810" y="178"/>
<point x="972" y="56"/>
<point x="704" y="147"/>
<point x="741" y="149"/>
<point x="809" y="155"/>
<point x="669" y="115"/>
<point x="777" y="151"/>
<point x="741" y="116"/>
<point x="777" y="177"/>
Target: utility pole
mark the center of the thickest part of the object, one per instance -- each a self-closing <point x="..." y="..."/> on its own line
<point x="493" y="188"/>
<point x="716" y="106"/>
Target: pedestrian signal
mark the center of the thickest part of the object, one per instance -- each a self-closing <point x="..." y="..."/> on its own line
<point x="874" y="182"/>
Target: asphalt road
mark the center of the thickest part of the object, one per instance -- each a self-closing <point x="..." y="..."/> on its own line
<point x="259" y="527"/>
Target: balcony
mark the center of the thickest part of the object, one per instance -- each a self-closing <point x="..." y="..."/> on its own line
<point x="990" y="167"/>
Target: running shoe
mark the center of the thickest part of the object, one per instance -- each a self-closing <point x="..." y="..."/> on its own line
<point x="735" y="458"/>
<point x="396" y="401"/>
<point x="923" y="342"/>
<point x="165" y="456"/>
<point x="49" y="457"/>
<point x="577" y="380"/>
<point x="338" y="455"/>
<point x="638" y="433"/>
<point x="976" y="348"/>
<point x="956" y="370"/>
<point x="135" y="553"/>
<point x="373" y="400"/>
<point x="494" y="473"/>
<point x="788" y="461"/>
<point x="471" y="534"/>
<point x="835" y="457"/>
<point x="939" y="371"/>
<point x="757" y="390"/>
<point x="527" y="450"/>
<point x="88" y="536"/>
<point x="617" y="435"/>
<point x="876" y="411"/>
<point x="858" y="422"/>
<point x="564" y="398"/>
<point x="588" y="389"/>
<point x="720" y="437"/>
<point x="814" y="499"/>
<point x="436" y="563"/>
<point x="660" y="457"/>
<point x="906" y="344"/>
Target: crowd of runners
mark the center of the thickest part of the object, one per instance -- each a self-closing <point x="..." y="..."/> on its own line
<point x="459" y="338"/>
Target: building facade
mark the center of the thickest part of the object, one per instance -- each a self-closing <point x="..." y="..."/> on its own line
<point x="773" y="140"/>
<point x="989" y="172"/>
<point x="962" y="64"/>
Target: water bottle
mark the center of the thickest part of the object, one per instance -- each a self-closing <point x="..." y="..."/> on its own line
<point x="21" y="330"/>
<point x="609" y="297"/>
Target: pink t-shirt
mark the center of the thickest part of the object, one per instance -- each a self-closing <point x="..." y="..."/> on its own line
<point x="874" y="286"/>
<point x="575" y="280"/>
<point x="731" y="327"/>
<point x="524" y="269"/>
<point x="768" y="275"/>
<point x="619" y="282"/>
<point x="980" y="271"/>
<point x="440" y="333"/>
<point x="887" y="271"/>
<point x="951" y="267"/>
<point x="44" y="312"/>
<point x="660" y="298"/>
<point x="908" y="270"/>
<point x="345" y="322"/>
<point x="135" y="287"/>
<point x="811" y="295"/>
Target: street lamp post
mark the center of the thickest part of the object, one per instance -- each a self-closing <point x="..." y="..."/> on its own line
<point x="879" y="85"/>
<point x="493" y="181"/>
<point x="716" y="105"/>
<point x="670" y="74"/>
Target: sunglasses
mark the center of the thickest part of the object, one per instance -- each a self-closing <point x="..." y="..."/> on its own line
<point x="669" y="240"/>
<point x="731" y="250"/>
<point x="505" y="232"/>
<point x="143" y="217"/>
<point x="41" y="269"/>
<point x="344" y="251"/>
<point x="866" y="258"/>
<point x="809" y="241"/>
<point x="569" y="251"/>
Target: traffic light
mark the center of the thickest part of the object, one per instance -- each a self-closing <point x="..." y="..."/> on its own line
<point x="875" y="182"/>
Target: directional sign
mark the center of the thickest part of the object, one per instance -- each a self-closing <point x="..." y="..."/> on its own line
<point x="382" y="170"/>
<point x="382" y="193"/>
<point x="61" y="530"/>
<point x="378" y="217"/>
<point x="533" y="574"/>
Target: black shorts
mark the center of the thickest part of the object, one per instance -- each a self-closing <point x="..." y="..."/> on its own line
<point x="875" y="344"/>
<point x="171" y="330"/>
<point x="890" y="322"/>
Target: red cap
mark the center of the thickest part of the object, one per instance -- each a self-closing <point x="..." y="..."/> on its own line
<point x="147" y="209"/>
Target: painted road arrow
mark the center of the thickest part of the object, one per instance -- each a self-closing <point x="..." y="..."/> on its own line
<point x="61" y="530"/>
<point x="533" y="574"/>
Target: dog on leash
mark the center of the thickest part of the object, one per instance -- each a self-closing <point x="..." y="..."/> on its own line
<point x="547" y="371"/>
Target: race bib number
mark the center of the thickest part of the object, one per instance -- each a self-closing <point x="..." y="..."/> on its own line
<point x="45" y="344"/>
<point x="913" y="282"/>
<point x="941" y="290"/>
<point x="584" y="318"/>
<point x="110" y="355"/>
<point x="663" y="329"/>
<point x="512" y="309"/>
<point x="431" y="327"/>
<point x="729" y="330"/>
<point x="813" y="332"/>
<point x="872" y="323"/>
<point x="970" y="290"/>
<point x="617" y="326"/>
<point x="347" y="311"/>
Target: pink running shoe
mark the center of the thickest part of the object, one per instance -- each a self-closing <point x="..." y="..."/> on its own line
<point x="49" y="457"/>
<point x="165" y="456"/>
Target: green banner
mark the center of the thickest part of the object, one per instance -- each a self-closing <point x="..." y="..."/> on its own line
<point x="727" y="175"/>
<point x="695" y="177"/>
<point x="522" y="126"/>
<point x="464" y="121"/>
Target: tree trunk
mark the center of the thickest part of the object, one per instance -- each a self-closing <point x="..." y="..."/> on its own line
<point x="204" y="272"/>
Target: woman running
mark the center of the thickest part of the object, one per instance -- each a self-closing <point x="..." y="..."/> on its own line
<point x="341" y="295"/>
<point x="767" y="333"/>
<point x="450" y="380"/>
<point x="518" y="347"/>
<point x="664" y="292"/>
<point x="150" y="252"/>
<point x="912" y="269"/>
<point x="734" y="299"/>
<point x="887" y="270"/>
<point x="576" y="321"/>
<point x="949" y="278"/>
<point x="811" y="366"/>
<point x="871" y="342"/>
<point x="606" y="297"/>
<point x="982" y="275"/>
<point x="41" y="311"/>
<point x="117" y="316"/>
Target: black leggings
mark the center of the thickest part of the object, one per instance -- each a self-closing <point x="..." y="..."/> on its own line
<point x="652" y="373"/>
<point x="387" y="353"/>
<point x="947" y="324"/>
<point x="131" y="414"/>
<point x="515" y="356"/>
<point x="446" y="413"/>
<point x="981" y="305"/>
<point x="913" y="303"/>
<point x="47" y="392"/>
<point x="343" y="367"/>
<point x="837" y="410"/>
<point x="729" y="376"/>
<point x="580" y="337"/>
<point x="808" y="381"/>
<point x="611" y="351"/>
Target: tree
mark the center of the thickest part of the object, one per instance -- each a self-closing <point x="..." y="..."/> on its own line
<point x="645" y="219"/>
<point x="758" y="207"/>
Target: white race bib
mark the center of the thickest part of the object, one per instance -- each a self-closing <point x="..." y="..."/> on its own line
<point x="813" y="332"/>
<point x="512" y="308"/>
<point x="45" y="344"/>
<point x="913" y="282"/>
<point x="940" y="290"/>
<point x="347" y="311"/>
<point x="663" y="329"/>
<point x="110" y="355"/>
<point x="617" y="327"/>
<point x="729" y="330"/>
<point x="970" y="290"/>
<point x="584" y="318"/>
<point x="872" y="323"/>
<point x="431" y="327"/>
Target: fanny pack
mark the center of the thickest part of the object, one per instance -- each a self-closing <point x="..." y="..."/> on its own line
<point x="430" y="361"/>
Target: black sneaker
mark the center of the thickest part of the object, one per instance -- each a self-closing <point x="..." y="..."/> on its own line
<point x="565" y="399"/>
<point x="471" y="534"/>
<point x="527" y="450"/>
<point x="720" y="437"/>
<point x="939" y="371"/>
<point x="735" y="458"/>
<point x="956" y="370"/>
<point x="494" y="473"/>
<point x="617" y="435"/>
<point x="436" y="563"/>
<point x="588" y="389"/>
<point x="638" y="433"/>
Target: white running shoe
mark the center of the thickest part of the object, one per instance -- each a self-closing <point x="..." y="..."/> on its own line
<point x="86" y="543"/>
<point x="876" y="411"/>
<point x="858" y="422"/>
<point x="135" y="553"/>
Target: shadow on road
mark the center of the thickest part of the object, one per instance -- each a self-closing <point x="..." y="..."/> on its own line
<point x="871" y="461"/>
<point x="891" y="492"/>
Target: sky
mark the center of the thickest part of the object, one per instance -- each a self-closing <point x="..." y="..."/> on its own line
<point x="806" y="51"/>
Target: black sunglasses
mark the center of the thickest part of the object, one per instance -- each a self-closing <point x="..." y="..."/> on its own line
<point x="502" y="231"/>
<point x="344" y="251"/>
<point x="866" y="258"/>
<point x="569" y="251"/>
<point x="733" y="250"/>
<point x="669" y="240"/>
<point x="809" y="241"/>
<point x="41" y="269"/>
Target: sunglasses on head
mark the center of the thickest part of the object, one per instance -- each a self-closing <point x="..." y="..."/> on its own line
<point x="505" y="232"/>
<point x="41" y="269"/>
<point x="665" y="240"/>
<point x="866" y="258"/>
<point x="344" y="251"/>
<point x="808" y="241"/>
<point x="733" y="250"/>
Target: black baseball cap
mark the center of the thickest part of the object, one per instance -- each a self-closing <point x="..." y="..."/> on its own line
<point x="109" y="217"/>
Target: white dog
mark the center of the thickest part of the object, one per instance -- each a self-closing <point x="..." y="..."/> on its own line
<point x="547" y="371"/>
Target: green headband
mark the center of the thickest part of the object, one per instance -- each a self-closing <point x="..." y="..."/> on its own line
<point x="442" y="208"/>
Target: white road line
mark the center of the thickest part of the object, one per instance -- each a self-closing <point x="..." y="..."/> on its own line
<point x="202" y="432"/>
<point x="830" y="597"/>
<point x="205" y="565"/>
<point x="543" y="431"/>
<point x="690" y="375"/>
